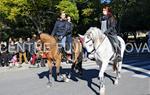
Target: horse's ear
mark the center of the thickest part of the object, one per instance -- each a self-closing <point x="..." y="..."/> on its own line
<point x="81" y="36"/>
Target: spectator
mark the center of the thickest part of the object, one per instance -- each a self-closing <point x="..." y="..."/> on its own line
<point x="28" y="45"/>
<point x="4" y="56"/>
<point x="12" y="53"/>
<point x="21" y="50"/>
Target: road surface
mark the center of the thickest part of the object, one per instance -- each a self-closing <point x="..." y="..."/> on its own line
<point x="25" y="81"/>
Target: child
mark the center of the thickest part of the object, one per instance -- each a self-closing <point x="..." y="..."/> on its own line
<point x="13" y="61"/>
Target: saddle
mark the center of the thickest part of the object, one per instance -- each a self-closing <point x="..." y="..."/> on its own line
<point x="116" y="47"/>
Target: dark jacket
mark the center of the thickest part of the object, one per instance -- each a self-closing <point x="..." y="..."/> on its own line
<point x="111" y="24"/>
<point x="69" y="28"/>
<point x="60" y="28"/>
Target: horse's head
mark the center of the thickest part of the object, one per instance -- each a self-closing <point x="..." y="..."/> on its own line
<point x="90" y="37"/>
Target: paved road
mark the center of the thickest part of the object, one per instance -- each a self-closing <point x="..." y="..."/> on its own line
<point x="25" y="81"/>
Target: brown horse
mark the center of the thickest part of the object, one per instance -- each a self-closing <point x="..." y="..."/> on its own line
<point x="55" y="56"/>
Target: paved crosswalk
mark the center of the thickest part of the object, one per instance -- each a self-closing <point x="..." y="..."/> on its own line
<point x="139" y="65"/>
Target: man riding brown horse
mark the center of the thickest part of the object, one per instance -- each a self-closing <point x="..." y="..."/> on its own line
<point x="63" y="32"/>
<point x="55" y="56"/>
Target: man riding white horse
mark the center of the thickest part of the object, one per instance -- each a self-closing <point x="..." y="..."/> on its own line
<point x="108" y="26"/>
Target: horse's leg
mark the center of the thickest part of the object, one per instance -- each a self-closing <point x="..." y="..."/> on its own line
<point x="80" y="68"/>
<point x="71" y="70"/>
<point x="50" y="72"/>
<point x="73" y="64"/>
<point x="58" y="63"/>
<point x="101" y="77"/>
<point x="118" y="72"/>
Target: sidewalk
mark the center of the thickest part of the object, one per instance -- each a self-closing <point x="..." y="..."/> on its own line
<point x="8" y="69"/>
<point x="27" y="66"/>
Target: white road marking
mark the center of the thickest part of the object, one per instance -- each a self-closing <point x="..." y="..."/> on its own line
<point x="141" y="76"/>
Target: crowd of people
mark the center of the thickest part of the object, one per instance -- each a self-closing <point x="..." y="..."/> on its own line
<point x="16" y="52"/>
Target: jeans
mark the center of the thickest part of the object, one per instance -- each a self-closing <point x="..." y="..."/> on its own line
<point x="69" y="43"/>
<point x="62" y="42"/>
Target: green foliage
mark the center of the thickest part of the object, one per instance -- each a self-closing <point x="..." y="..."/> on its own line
<point x="1" y="25"/>
<point x="5" y="36"/>
<point x="9" y="9"/>
<point x="35" y="15"/>
<point x="70" y="8"/>
<point x="87" y="11"/>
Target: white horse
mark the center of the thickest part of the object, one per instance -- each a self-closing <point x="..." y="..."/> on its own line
<point x="96" y="42"/>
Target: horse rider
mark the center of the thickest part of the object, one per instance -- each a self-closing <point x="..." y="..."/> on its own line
<point x="69" y="35"/>
<point x="60" y="29"/>
<point x="108" y="26"/>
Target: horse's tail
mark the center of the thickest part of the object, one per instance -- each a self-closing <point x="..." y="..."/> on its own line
<point x="77" y="47"/>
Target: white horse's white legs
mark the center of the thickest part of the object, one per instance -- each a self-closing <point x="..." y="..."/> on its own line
<point x="117" y="78"/>
<point x="101" y="77"/>
<point x="118" y="73"/>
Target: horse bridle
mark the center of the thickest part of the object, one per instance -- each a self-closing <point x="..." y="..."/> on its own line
<point x="94" y="49"/>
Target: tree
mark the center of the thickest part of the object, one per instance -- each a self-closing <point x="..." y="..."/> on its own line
<point x="9" y="9"/>
<point x="27" y="15"/>
<point x="70" y="8"/>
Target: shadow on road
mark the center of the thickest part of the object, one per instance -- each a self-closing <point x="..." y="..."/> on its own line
<point x="88" y="76"/>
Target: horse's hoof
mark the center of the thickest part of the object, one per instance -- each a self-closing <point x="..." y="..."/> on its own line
<point x="67" y="80"/>
<point x="116" y="82"/>
<point x="60" y="78"/>
<point x="102" y="91"/>
<point x="119" y="76"/>
<point x="69" y="76"/>
<point x="76" y="70"/>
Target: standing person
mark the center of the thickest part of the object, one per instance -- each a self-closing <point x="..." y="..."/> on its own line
<point x="33" y="50"/>
<point x="4" y="57"/>
<point x="12" y="54"/>
<point x="108" y="26"/>
<point x="28" y="48"/>
<point x="60" y="29"/>
<point x="21" y="50"/>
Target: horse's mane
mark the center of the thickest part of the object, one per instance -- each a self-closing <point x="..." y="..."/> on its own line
<point x="96" y="32"/>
